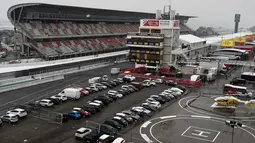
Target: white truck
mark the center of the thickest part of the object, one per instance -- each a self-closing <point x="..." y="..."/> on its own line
<point x="72" y="93"/>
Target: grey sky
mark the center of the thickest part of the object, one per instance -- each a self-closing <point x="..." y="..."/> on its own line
<point x="210" y="12"/>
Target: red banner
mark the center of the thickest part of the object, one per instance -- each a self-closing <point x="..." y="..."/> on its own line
<point x="151" y="23"/>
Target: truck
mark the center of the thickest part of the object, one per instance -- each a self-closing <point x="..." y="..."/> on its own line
<point x="72" y="93"/>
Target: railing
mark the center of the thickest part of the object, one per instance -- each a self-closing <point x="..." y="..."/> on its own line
<point x="19" y="85"/>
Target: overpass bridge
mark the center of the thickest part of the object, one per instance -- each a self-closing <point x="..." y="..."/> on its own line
<point x="229" y="62"/>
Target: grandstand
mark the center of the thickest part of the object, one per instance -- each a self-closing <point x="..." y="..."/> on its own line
<point x="58" y="32"/>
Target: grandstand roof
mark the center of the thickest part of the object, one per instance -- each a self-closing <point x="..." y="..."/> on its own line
<point x="35" y="11"/>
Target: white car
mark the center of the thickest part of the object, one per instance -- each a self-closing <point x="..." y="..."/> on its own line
<point x="173" y="92"/>
<point x="129" y="77"/>
<point x="154" y="104"/>
<point x="82" y="132"/>
<point x="159" y="81"/>
<point x="94" y="88"/>
<point x="10" y="118"/>
<point x="18" y="111"/>
<point x="148" y="83"/>
<point x="115" y="93"/>
<point x="105" y="78"/>
<point x="119" y="140"/>
<point x="95" y="104"/>
<point x="148" y="100"/>
<point x="99" y="84"/>
<point x="46" y="102"/>
<point x="166" y="94"/>
<point x="85" y="92"/>
<point x="142" y="109"/>
<point x="60" y="97"/>
<point x="176" y="89"/>
<point x="98" y="102"/>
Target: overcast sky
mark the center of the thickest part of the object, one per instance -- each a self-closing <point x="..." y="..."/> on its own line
<point x="210" y="12"/>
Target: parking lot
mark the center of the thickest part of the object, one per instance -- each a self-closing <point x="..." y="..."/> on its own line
<point x="174" y="123"/>
<point x="182" y="122"/>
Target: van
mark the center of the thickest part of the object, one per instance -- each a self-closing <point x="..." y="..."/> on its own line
<point x="72" y="93"/>
<point x="210" y="77"/>
<point x="115" y="71"/>
<point x="95" y="80"/>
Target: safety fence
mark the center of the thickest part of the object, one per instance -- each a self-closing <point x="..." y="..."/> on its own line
<point x="29" y="83"/>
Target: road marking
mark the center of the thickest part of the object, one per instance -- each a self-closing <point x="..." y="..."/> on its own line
<point x="145" y="137"/>
<point x="146" y="124"/>
<point x="167" y="117"/>
<point x="196" y="116"/>
<point x="216" y="136"/>
<point x="185" y="131"/>
<point x="201" y="133"/>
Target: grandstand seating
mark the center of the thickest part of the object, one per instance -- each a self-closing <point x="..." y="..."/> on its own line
<point x="70" y="47"/>
<point x="39" y="29"/>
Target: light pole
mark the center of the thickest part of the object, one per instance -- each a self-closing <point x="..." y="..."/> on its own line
<point x="233" y="124"/>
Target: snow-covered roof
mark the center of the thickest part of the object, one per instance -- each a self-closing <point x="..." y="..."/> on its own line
<point x="191" y="38"/>
<point x="218" y="39"/>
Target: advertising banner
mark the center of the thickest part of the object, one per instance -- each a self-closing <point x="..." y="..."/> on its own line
<point x="240" y="40"/>
<point x="159" y="24"/>
<point x="227" y="43"/>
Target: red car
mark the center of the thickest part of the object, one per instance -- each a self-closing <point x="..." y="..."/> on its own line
<point x="82" y="112"/>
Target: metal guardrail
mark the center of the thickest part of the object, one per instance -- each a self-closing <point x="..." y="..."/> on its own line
<point x="30" y="83"/>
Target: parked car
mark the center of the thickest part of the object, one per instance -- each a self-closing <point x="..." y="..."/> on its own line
<point x="148" y="112"/>
<point x="129" y="78"/>
<point x="155" y="104"/>
<point x="119" y="140"/>
<point x="89" y="89"/>
<point x="148" y="100"/>
<point x="1" y="122"/>
<point x="158" y="81"/>
<point x="175" y="89"/>
<point x="105" y="99"/>
<point x="92" y="137"/>
<point x="170" y="82"/>
<point x="107" y="84"/>
<point x="166" y="97"/>
<point x="139" y="112"/>
<point x="82" y="112"/>
<point x="113" y="83"/>
<point x="148" y="106"/>
<point x="56" y="101"/>
<point x="158" y="98"/>
<point x="73" y="115"/>
<point x="137" y="85"/>
<point x="114" y="94"/>
<point x="167" y="94"/>
<point x="117" y="81"/>
<point x="126" y="87"/>
<point x="92" y="110"/>
<point x="125" y="117"/>
<point x="72" y="93"/>
<point x="120" y="120"/>
<point x="132" y="115"/>
<point x="120" y="80"/>
<point x="148" y="83"/>
<point x="96" y="104"/>
<point x="114" y="124"/>
<point x="82" y="132"/>
<point x="99" y="85"/>
<point x="95" y="89"/>
<point x="133" y="87"/>
<point x="123" y="92"/>
<point x="10" y="118"/>
<point x="238" y="81"/>
<point x="19" y="112"/>
<point x="46" y="102"/>
<point x="106" y="129"/>
<point x="106" y="139"/>
<point x="63" y="98"/>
